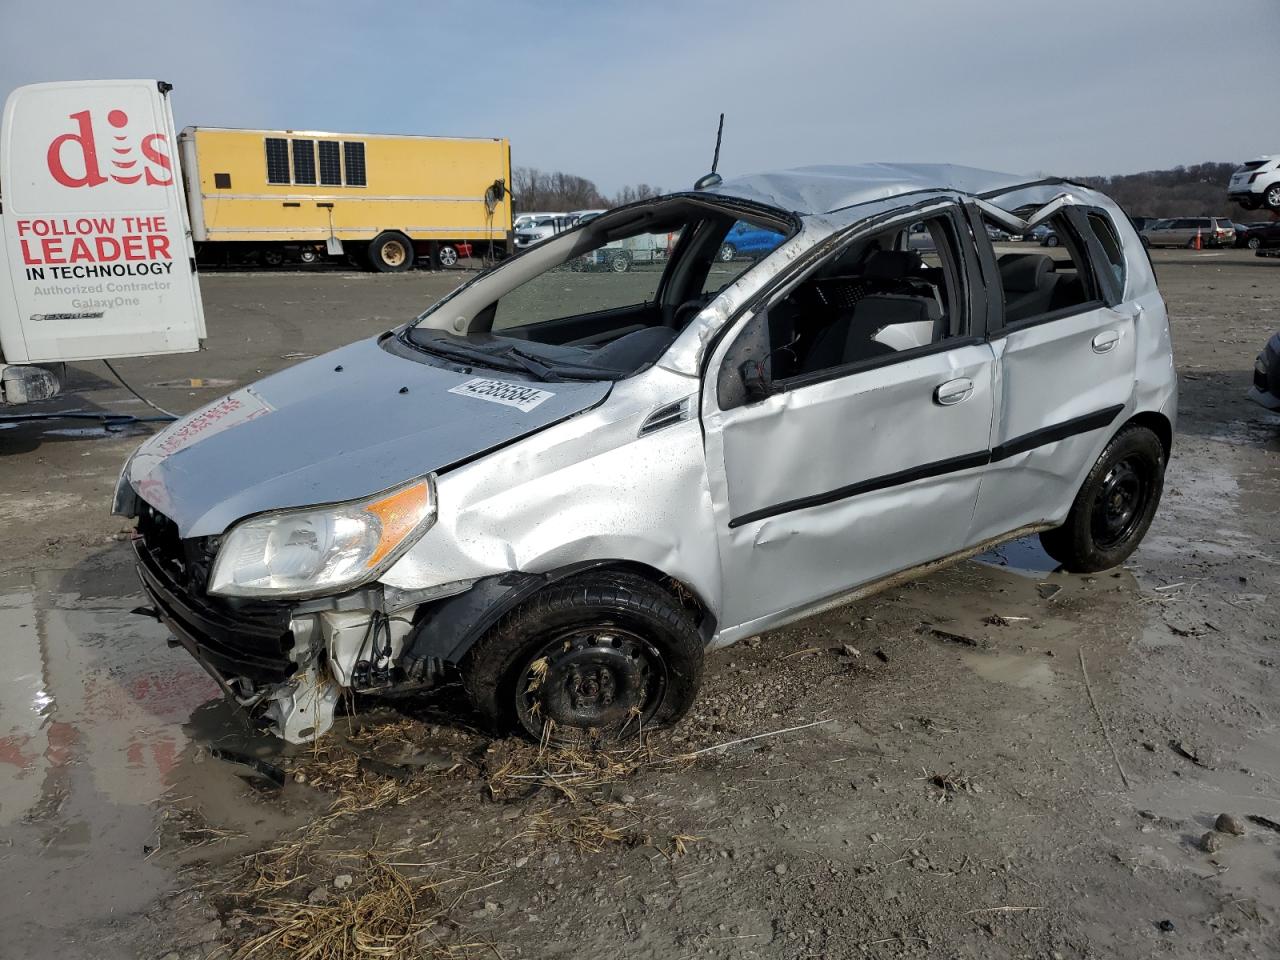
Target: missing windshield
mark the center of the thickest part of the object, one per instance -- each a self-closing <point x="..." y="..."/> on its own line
<point x="605" y="300"/>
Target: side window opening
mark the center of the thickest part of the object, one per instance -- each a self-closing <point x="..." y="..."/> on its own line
<point x="743" y="245"/>
<point x="887" y="294"/>
<point x="1046" y="281"/>
<point x="1105" y="232"/>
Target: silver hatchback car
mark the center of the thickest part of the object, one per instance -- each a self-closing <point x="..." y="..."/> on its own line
<point x="564" y="486"/>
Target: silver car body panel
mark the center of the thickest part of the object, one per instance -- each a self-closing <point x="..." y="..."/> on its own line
<point x="765" y="512"/>
<point x="339" y="427"/>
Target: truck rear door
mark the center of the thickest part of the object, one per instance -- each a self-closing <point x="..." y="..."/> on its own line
<point x="96" y="256"/>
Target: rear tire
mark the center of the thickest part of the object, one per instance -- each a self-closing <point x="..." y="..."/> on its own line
<point x="1114" y="508"/>
<point x="391" y="252"/>
<point x="1051" y="240"/>
<point x="602" y="656"/>
<point x="447" y="255"/>
<point x="272" y="257"/>
<point x="620" y="263"/>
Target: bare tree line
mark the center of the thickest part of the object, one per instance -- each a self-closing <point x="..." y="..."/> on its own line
<point x="536" y="189"/>
<point x="1199" y="190"/>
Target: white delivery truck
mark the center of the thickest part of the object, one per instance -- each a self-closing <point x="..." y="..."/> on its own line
<point x="95" y="248"/>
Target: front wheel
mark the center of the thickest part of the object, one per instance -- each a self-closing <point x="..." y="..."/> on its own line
<point x="1115" y="505"/>
<point x="1272" y="197"/>
<point x="1253" y="243"/>
<point x="1051" y="240"/>
<point x="727" y="252"/>
<point x="605" y="655"/>
<point x="620" y="263"/>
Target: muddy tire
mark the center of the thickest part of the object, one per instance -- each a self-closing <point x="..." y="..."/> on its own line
<point x="391" y="252"/>
<point x="601" y="656"/>
<point x="1115" y="505"/>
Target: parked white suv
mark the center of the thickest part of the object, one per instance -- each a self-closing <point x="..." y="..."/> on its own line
<point x="563" y="487"/>
<point x="1257" y="184"/>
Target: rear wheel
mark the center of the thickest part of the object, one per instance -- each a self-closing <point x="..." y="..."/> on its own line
<point x="1051" y="240"/>
<point x="272" y="257"/>
<point x="391" y="252"/>
<point x="1115" y="505"/>
<point x="602" y="656"/>
<point x="309" y="255"/>
<point x="620" y="263"/>
<point x="727" y="252"/>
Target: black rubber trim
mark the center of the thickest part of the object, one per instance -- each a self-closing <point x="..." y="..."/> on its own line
<point x="1060" y="431"/>
<point x="1011" y="448"/>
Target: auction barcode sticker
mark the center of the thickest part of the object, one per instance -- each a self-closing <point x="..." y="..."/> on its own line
<point x="523" y="398"/>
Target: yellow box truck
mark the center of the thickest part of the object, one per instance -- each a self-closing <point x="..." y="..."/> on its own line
<point x="264" y="196"/>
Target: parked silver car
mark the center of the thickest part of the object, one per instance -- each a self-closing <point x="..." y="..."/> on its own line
<point x="564" y="487"/>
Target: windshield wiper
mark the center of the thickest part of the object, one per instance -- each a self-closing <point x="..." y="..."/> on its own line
<point x="534" y="365"/>
<point x="498" y="361"/>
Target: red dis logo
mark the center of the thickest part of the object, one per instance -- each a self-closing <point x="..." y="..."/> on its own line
<point x="152" y="167"/>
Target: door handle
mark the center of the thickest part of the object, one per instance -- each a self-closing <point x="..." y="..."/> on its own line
<point x="953" y="391"/>
<point x="1105" y="341"/>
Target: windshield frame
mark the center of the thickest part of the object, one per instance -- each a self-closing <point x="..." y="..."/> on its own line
<point x="461" y="314"/>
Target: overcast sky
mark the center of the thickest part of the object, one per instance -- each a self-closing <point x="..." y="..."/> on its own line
<point x="629" y="91"/>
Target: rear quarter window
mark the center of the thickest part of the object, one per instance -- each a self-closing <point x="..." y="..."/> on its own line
<point x="1109" y="240"/>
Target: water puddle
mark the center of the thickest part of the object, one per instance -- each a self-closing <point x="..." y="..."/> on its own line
<point x="1024" y="556"/>
<point x="1244" y="784"/>
<point x="99" y="720"/>
<point x="1026" y="671"/>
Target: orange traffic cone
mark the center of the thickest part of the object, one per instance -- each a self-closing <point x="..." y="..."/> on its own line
<point x="1199" y="246"/>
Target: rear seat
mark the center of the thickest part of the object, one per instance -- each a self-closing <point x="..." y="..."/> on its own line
<point x="1029" y="281"/>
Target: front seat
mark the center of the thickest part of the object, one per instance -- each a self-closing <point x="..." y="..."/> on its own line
<point x="850" y="338"/>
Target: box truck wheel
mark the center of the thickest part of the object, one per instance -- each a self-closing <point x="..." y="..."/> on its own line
<point x="391" y="252"/>
<point x="272" y="256"/>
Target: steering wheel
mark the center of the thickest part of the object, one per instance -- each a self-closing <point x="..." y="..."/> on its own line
<point x="691" y="307"/>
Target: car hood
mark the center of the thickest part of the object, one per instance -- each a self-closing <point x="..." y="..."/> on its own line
<point x="340" y="427"/>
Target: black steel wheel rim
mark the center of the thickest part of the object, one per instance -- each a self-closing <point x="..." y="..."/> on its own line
<point x="1120" y="503"/>
<point x="597" y="677"/>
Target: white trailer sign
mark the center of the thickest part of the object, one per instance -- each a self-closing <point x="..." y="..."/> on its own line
<point x="96" y="256"/>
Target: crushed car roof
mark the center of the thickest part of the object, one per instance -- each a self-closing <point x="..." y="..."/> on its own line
<point x="825" y="189"/>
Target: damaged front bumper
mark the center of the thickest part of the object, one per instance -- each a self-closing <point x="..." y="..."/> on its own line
<point x="288" y="663"/>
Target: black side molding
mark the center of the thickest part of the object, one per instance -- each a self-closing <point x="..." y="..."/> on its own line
<point x="1059" y="431"/>
<point x="1010" y="448"/>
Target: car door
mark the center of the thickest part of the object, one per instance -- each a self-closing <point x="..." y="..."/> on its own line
<point x="1066" y="380"/>
<point x="847" y="474"/>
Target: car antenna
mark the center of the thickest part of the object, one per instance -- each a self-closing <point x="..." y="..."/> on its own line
<point x="712" y="178"/>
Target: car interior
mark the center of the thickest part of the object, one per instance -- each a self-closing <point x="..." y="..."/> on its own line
<point x="1035" y="284"/>
<point x="570" y="310"/>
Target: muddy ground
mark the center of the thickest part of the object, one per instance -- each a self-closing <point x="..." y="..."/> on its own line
<point x="958" y="789"/>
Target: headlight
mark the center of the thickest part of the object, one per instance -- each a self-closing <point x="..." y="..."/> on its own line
<point x="322" y="550"/>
